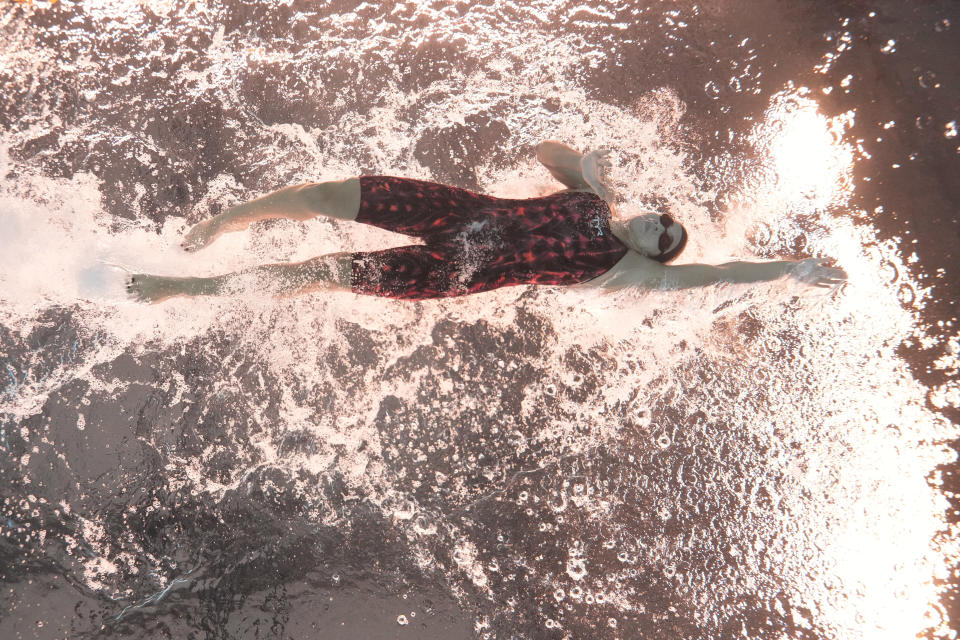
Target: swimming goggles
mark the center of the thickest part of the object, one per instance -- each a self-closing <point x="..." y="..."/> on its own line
<point x="665" y="240"/>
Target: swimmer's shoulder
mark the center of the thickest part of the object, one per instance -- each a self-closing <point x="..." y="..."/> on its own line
<point x="632" y="269"/>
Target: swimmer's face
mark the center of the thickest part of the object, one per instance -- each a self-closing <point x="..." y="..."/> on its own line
<point x="654" y="234"/>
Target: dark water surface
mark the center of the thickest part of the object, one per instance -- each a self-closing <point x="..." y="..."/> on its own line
<point x="529" y="463"/>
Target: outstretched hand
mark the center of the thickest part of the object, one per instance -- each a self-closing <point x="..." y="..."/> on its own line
<point x="818" y="272"/>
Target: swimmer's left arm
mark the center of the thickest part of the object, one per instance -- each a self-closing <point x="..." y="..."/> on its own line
<point x="650" y="274"/>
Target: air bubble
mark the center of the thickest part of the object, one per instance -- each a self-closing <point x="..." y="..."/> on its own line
<point x="906" y="295"/>
<point x="762" y="234"/>
<point x="760" y="376"/>
<point x="928" y="80"/>
<point x="799" y="244"/>
<point x="559" y="595"/>
<point x="424" y="525"/>
<point x="773" y="345"/>
<point x="663" y="441"/>
<point x="669" y="571"/>
<point x="576" y="569"/>
<point x="612" y="623"/>
<point x="550" y="390"/>
<point x="558" y="503"/>
<point x="404" y="511"/>
<point x="936" y="615"/>
<point x="644" y="416"/>
<point x="889" y="272"/>
<point x="402" y="620"/>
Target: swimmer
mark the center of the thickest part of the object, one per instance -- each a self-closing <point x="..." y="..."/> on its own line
<point x="473" y="242"/>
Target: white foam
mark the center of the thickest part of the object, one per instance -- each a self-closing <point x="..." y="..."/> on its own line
<point x="855" y="498"/>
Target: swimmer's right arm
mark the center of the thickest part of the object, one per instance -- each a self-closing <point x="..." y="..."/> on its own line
<point x="563" y="162"/>
<point x="575" y="170"/>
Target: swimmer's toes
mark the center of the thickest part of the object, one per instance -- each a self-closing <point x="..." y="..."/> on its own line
<point x="136" y="288"/>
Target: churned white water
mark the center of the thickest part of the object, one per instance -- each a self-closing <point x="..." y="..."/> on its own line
<point x="558" y="457"/>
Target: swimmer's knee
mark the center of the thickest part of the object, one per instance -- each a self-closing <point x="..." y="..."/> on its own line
<point x="332" y="269"/>
<point x="336" y="198"/>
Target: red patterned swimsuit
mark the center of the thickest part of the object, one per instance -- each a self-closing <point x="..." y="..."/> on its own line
<point x="476" y="243"/>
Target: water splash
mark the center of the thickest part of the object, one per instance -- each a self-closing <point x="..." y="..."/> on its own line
<point x="556" y="457"/>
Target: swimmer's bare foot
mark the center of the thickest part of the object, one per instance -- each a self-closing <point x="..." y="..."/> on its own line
<point x="146" y="288"/>
<point x="201" y="234"/>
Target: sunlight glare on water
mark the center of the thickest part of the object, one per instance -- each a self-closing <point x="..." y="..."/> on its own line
<point x="812" y="163"/>
<point x="552" y="457"/>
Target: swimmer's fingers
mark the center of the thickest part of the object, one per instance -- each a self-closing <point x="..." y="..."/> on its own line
<point x="604" y="163"/>
<point x="819" y="272"/>
<point x="827" y="284"/>
<point x="828" y="267"/>
<point x="832" y="275"/>
<point x="600" y="160"/>
<point x="829" y="277"/>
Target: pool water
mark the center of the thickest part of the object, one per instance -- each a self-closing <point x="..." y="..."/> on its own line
<point x="760" y="462"/>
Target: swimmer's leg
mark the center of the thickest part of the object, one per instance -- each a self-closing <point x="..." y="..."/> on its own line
<point x="336" y="199"/>
<point x="332" y="271"/>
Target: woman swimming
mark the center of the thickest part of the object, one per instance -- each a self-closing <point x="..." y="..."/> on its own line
<point x="473" y="242"/>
